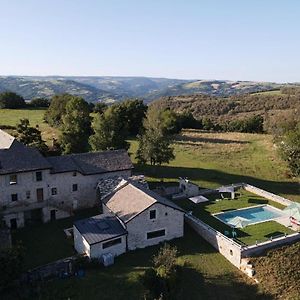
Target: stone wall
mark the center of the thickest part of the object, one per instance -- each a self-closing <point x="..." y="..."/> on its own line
<point x="260" y="248"/>
<point x="267" y="195"/>
<point x="227" y="247"/>
<point x="167" y="218"/>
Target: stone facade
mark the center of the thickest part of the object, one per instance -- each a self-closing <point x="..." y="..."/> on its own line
<point x="167" y="218"/>
<point x="55" y="196"/>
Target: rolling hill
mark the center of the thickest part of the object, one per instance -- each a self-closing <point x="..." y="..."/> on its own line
<point x="113" y="88"/>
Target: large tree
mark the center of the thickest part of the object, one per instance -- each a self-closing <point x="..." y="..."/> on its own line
<point x="30" y="136"/>
<point x="290" y="149"/>
<point x="11" y="100"/>
<point x="155" y="142"/>
<point x="109" y="131"/>
<point x="76" y="126"/>
<point x="57" y="109"/>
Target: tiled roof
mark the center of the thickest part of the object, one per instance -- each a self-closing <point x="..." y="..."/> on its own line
<point x="19" y="158"/>
<point x="132" y="198"/>
<point x="100" y="228"/>
<point x="92" y="162"/>
<point x="16" y="157"/>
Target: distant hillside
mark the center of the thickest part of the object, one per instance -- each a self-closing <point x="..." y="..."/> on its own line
<point x="272" y="105"/>
<point x="113" y="88"/>
<point x="221" y="88"/>
<point x="32" y="88"/>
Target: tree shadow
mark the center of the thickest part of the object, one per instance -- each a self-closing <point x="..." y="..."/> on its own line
<point x="257" y="201"/>
<point x="195" y="285"/>
<point x="217" y="177"/>
<point x="183" y="139"/>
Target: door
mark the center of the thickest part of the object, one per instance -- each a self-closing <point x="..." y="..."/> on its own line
<point x="13" y="223"/>
<point x="53" y="215"/>
<point x="40" y="195"/>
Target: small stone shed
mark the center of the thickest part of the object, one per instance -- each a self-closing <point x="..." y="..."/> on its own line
<point x="99" y="235"/>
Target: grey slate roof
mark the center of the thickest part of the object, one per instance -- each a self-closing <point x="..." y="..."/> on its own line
<point x="132" y="198"/>
<point x="92" y="162"/>
<point x="16" y="157"/>
<point x="19" y="158"/>
<point x="100" y="228"/>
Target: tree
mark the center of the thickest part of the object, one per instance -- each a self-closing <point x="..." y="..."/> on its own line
<point x="154" y="143"/>
<point x="39" y="102"/>
<point x="100" y="107"/>
<point x="109" y="131"/>
<point x="76" y="126"/>
<point x="132" y="112"/>
<point x="290" y="149"/>
<point x="30" y="136"/>
<point x="11" y="262"/>
<point x="161" y="281"/>
<point x="11" y="100"/>
<point x="57" y="109"/>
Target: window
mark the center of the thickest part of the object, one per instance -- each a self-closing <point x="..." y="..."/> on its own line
<point x="39" y="176"/>
<point x="54" y="191"/>
<point x="75" y="187"/>
<point x="112" y="243"/>
<point x="155" y="234"/>
<point x="14" y="197"/>
<point x="74" y="174"/>
<point x="27" y="194"/>
<point x="13" y="179"/>
<point x="152" y="214"/>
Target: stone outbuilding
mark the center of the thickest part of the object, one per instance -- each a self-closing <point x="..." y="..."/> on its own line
<point x="145" y="218"/>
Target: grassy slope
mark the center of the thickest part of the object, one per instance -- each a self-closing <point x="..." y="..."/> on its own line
<point x="278" y="271"/>
<point x="214" y="159"/>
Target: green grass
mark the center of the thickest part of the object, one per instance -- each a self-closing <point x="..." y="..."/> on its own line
<point x="35" y="116"/>
<point x="205" y="275"/>
<point x="208" y="159"/>
<point x="45" y="243"/>
<point x="248" y="235"/>
<point x="214" y="159"/>
<point x="263" y="232"/>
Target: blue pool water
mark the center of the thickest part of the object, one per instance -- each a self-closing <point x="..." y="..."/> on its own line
<point x="251" y="214"/>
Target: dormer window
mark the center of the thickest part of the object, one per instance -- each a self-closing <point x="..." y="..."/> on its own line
<point x="13" y="179"/>
<point x="152" y="214"/>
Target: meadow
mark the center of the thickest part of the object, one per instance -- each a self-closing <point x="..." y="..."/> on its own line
<point x="208" y="159"/>
<point x="11" y="117"/>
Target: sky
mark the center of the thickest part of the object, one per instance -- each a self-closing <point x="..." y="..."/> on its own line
<point x="190" y="39"/>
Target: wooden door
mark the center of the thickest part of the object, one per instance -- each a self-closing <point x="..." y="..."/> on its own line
<point x="40" y="195"/>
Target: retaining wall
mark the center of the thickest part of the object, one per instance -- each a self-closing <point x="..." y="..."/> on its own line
<point x="260" y="248"/>
<point x="267" y="195"/>
<point x="227" y="247"/>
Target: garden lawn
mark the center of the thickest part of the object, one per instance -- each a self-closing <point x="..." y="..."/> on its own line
<point x="247" y="235"/>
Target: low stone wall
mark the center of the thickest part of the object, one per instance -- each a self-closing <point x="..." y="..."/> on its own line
<point x="260" y="248"/>
<point x="267" y="195"/>
<point x="227" y="247"/>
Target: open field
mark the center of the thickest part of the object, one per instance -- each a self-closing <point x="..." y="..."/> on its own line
<point x="35" y="116"/>
<point x="215" y="159"/>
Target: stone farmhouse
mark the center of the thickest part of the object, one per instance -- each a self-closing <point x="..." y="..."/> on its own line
<point x="34" y="187"/>
<point x="133" y="217"/>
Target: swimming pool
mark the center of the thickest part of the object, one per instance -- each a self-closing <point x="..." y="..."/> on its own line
<point x="247" y="216"/>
